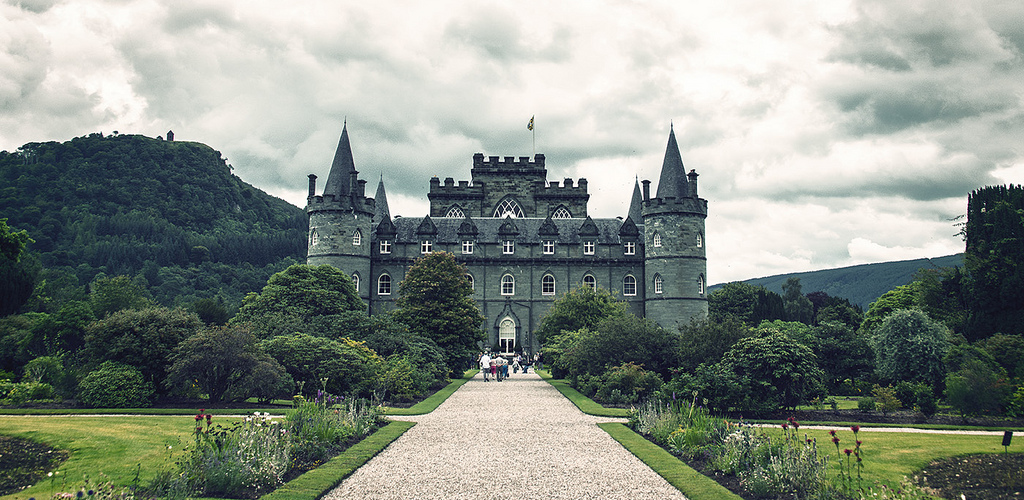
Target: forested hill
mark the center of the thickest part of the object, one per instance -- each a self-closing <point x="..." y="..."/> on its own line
<point x="134" y="205"/>
<point x="860" y="284"/>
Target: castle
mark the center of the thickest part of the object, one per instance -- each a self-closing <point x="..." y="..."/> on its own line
<point x="523" y="240"/>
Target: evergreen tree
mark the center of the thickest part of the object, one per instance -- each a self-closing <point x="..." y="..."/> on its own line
<point x="436" y="301"/>
<point x="994" y="260"/>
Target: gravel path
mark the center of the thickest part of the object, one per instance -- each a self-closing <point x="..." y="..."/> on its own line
<point x="517" y="439"/>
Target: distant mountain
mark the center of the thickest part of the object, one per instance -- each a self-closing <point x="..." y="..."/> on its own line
<point x="169" y="211"/>
<point x="860" y="284"/>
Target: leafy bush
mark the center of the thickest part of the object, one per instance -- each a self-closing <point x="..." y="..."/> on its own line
<point x="906" y="392"/>
<point x="24" y="392"/>
<point x="926" y="403"/>
<point x="1014" y="404"/>
<point x="885" y="399"/>
<point x="866" y="404"/>
<point x="115" y="385"/>
<point x="632" y="382"/>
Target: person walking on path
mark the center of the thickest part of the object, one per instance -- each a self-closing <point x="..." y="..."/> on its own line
<point x="560" y="452"/>
<point x="485" y="365"/>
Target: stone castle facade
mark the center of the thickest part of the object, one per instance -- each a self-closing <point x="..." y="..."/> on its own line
<point x="524" y="241"/>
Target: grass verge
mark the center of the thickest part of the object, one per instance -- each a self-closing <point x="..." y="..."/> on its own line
<point x="693" y="484"/>
<point x="430" y="404"/>
<point x="585" y="404"/>
<point x="316" y="483"/>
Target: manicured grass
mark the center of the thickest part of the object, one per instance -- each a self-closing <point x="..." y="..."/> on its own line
<point x="585" y="404"/>
<point x="889" y="456"/>
<point x="114" y="446"/>
<point x="278" y="410"/>
<point x="315" y="483"/>
<point x="430" y="404"/>
<point x="693" y="484"/>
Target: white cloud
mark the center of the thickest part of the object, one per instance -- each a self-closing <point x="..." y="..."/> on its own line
<point x="825" y="133"/>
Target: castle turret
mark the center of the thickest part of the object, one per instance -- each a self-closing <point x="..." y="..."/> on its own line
<point x="341" y="220"/>
<point x="675" y="263"/>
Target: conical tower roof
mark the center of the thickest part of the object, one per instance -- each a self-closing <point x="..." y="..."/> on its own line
<point x="380" y="203"/>
<point x="339" y="181"/>
<point x="635" y="210"/>
<point x="673" y="174"/>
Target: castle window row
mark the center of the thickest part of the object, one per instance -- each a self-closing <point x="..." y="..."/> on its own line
<point x="508" y="284"/>
<point x="508" y="247"/>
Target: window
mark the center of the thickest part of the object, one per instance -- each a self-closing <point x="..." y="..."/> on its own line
<point x="508" y="207"/>
<point x="384" y="285"/>
<point x="590" y="282"/>
<point x="700" y="285"/>
<point x="357" y="238"/>
<point x="467" y="246"/>
<point x="472" y="283"/>
<point x="700" y="240"/>
<point x="425" y="246"/>
<point x="385" y="246"/>
<point x="455" y="212"/>
<point x="507" y="335"/>
<point x="508" y="247"/>
<point x="658" y="283"/>
<point x="588" y="247"/>
<point x="549" y="247"/>
<point x="561" y="213"/>
<point x="657" y="239"/>
<point x="313" y="238"/>
<point x="629" y="248"/>
<point x="547" y="285"/>
<point x="355" y="280"/>
<point x="629" y="285"/>
<point x="508" y="285"/>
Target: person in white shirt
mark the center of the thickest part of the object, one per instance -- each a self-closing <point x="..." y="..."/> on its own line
<point x="485" y="365"/>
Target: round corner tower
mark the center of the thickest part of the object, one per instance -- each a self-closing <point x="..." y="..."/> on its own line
<point x="341" y="221"/>
<point x="675" y="261"/>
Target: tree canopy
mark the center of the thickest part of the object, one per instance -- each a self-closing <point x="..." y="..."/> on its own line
<point x="436" y="301"/>
<point x="301" y="291"/>
<point x="581" y="307"/>
<point x="910" y="346"/>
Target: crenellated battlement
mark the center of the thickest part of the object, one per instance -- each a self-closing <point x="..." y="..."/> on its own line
<point x="665" y="205"/>
<point x="328" y="203"/>
<point x="552" y="189"/>
<point x="508" y="162"/>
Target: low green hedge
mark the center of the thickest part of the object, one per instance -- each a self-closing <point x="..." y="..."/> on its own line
<point x="317" y="482"/>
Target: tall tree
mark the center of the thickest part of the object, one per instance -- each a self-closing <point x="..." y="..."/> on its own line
<point x="436" y="300"/>
<point x="17" y="276"/>
<point x="798" y="307"/>
<point x="226" y="363"/>
<point x="994" y="259"/>
<point x="301" y="291"/>
<point x="910" y="346"/>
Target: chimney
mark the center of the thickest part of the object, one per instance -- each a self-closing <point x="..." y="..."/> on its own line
<point x="312" y="185"/>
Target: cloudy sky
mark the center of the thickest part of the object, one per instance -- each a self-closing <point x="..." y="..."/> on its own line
<point x="826" y="133"/>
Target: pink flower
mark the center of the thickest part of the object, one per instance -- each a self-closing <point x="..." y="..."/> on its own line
<point x="848" y="451"/>
<point x="855" y="429"/>
<point x="785" y="427"/>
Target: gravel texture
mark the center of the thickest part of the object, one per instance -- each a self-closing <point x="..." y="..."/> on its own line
<point x="517" y="439"/>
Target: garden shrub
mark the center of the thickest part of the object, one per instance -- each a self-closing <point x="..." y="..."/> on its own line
<point x="24" y="392"/>
<point x="866" y="404"/>
<point x="885" y="399"/>
<point x="115" y="385"/>
<point x="1014" y="404"/>
<point x="926" y="403"/>
<point x="906" y="392"/>
<point x="630" y="381"/>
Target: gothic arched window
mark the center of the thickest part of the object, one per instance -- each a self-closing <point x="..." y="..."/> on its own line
<point x="590" y="281"/>
<point x="357" y="238"/>
<point x="508" y="207"/>
<point x="658" y="283"/>
<point x="547" y="285"/>
<point x="455" y="212"/>
<point x="629" y="285"/>
<point x="657" y="239"/>
<point x="355" y="280"/>
<point x="700" y="284"/>
<point x="700" y="240"/>
<point x="561" y="213"/>
<point x="313" y="238"/>
<point x="472" y="283"/>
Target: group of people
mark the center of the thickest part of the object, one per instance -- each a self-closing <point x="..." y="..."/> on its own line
<point x="495" y="366"/>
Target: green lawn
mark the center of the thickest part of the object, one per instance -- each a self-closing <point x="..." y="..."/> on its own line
<point x="114" y="446"/>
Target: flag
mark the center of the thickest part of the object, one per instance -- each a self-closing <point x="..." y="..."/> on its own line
<point x="529" y="126"/>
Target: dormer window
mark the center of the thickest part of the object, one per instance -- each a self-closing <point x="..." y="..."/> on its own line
<point x="426" y="246"/>
<point x="588" y="247"/>
<point x="629" y="248"/>
<point x="549" y="247"/>
<point x="385" y="246"/>
<point x="508" y="247"/>
<point x="467" y="247"/>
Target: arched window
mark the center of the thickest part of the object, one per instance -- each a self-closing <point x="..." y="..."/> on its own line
<point x="313" y="238"/>
<point x="561" y="213"/>
<point x="357" y="238"/>
<point x="700" y="240"/>
<point x="547" y="285"/>
<point x="629" y="285"/>
<point x="590" y="281"/>
<point x="700" y="284"/>
<point x="472" y="283"/>
<point x="507" y="335"/>
<point x="355" y="281"/>
<point x="455" y="211"/>
<point x="657" y="239"/>
<point x="658" y="283"/>
<point x="508" y="207"/>
<point x="384" y="285"/>
<point x="508" y="285"/>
